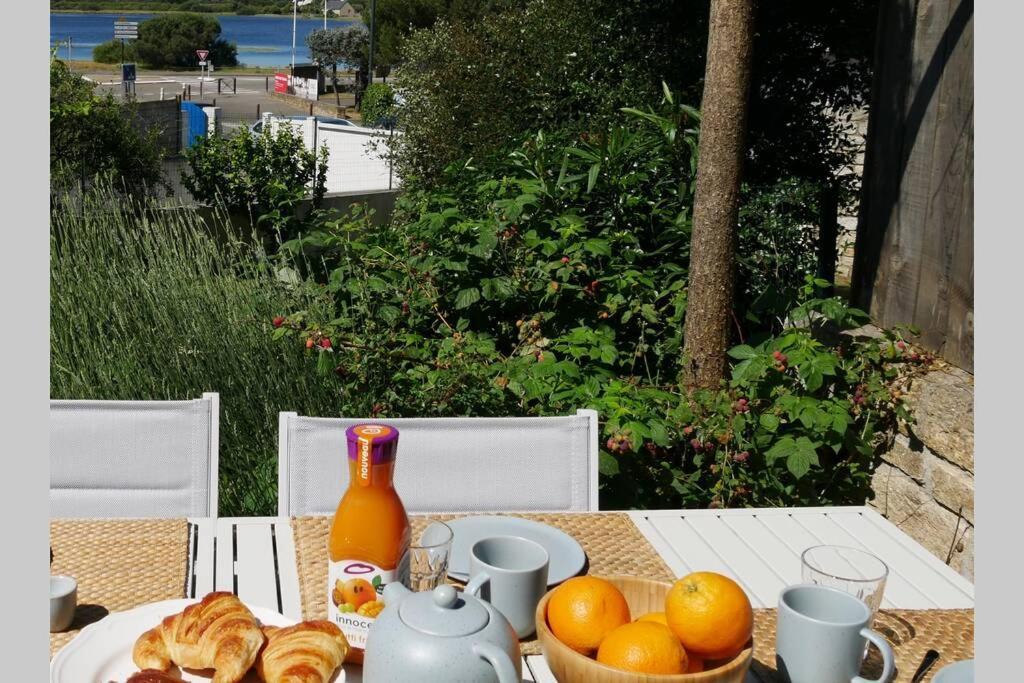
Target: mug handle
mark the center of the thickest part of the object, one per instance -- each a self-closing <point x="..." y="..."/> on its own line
<point x="887" y="657"/>
<point x="476" y="583"/>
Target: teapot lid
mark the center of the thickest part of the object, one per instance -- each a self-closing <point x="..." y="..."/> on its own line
<point x="443" y="612"/>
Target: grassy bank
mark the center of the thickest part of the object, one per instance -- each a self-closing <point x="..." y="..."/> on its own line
<point x="149" y="305"/>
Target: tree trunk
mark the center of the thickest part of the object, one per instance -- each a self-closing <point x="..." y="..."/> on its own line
<point x="334" y="84"/>
<point x="716" y="200"/>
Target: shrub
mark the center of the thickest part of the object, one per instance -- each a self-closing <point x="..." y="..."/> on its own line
<point x="149" y="304"/>
<point x="378" y="105"/>
<point x="264" y="175"/>
<point x="554" y="277"/>
<point x="92" y="135"/>
<point x="171" y="40"/>
<point x="110" y="52"/>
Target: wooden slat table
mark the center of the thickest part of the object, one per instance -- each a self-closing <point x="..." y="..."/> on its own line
<point x="760" y="548"/>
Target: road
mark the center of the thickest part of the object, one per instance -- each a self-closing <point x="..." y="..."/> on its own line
<point x="241" y="98"/>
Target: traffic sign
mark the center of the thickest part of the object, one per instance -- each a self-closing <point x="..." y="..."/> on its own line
<point x="126" y="29"/>
<point x="202" y="54"/>
<point x="127" y="72"/>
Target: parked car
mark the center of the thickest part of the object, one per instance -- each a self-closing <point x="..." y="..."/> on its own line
<point x="257" y="127"/>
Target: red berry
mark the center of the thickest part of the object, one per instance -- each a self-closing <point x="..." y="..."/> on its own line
<point x="565" y="259"/>
<point x="687" y="430"/>
<point x="695" y="444"/>
<point x="309" y="343"/>
<point x="900" y="345"/>
<point x="595" y="284"/>
<point x="777" y="355"/>
<point x="742" y="456"/>
<point x="611" y="444"/>
<point x="405" y="307"/>
<point x="325" y="343"/>
<point x="278" y="321"/>
<point x="651" y="448"/>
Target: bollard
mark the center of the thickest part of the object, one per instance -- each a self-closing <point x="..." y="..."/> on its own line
<point x="200" y="88"/>
<point x="257" y="111"/>
<point x="266" y="83"/>
<point x="218" y="85"/>
<point x="310" y="108"/>
<point x="189" y="92"/>
<point x="161" y="94"/>
<point x="234" y="85"/>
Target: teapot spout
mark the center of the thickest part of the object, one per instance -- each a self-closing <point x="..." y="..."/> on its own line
<point x="394" y="593"/>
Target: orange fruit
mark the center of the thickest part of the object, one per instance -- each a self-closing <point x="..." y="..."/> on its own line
<point x="583" y="610"/>
<point x="710" y="614"/>
<point x="645" y="647"/>
<point x="694" y="664"/>
<point x="656" y="617"/>
<point x="358" y="591"/>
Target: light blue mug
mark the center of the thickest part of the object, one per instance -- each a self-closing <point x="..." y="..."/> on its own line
<point x="820" y="637"/>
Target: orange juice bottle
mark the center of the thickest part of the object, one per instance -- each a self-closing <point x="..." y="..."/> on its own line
<point x="369" y="542"/>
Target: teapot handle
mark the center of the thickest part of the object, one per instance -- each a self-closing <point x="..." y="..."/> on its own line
<point x="500" y="660"/>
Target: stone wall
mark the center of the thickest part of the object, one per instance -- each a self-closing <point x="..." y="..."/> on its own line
<point x="925" y="483"/>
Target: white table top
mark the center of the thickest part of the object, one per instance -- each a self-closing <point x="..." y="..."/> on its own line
<point x="760" y="548"/>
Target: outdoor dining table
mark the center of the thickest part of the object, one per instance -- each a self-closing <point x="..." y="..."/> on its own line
<point x="280" y="563"/>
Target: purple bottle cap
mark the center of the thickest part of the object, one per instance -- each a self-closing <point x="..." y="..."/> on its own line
<point x="372" y="443"/>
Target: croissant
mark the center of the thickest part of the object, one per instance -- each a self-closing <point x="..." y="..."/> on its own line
<point x="217" y="633"/>
<point x="152" y="676"/>
<point x="308" y="652"/>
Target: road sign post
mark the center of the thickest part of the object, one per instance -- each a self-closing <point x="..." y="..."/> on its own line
<point x="126" y="30"/>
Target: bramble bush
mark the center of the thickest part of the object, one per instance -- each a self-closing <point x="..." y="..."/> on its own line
<point x="554" y="277"/>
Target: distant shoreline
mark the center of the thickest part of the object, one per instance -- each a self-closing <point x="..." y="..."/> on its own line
<point x="174" y="11"/>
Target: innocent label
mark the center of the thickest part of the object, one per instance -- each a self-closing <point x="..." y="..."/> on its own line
<point x="355" y="596"/>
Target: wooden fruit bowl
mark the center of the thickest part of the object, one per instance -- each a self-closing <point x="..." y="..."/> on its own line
<point x="643" y="596"/>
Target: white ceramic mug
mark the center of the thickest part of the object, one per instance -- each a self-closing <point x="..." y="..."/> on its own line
<point x="511" y="573"/>
<point x="63" y="601"/>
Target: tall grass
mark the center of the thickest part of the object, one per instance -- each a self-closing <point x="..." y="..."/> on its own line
<point x="161" y="304"/>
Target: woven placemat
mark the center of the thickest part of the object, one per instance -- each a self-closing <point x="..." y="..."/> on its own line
<point x="118" y="564"/>
<point x="910" y="632"/>
<point x="611" y="541"/>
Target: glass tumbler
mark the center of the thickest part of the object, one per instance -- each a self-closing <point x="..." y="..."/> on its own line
<point x="850" y="570"/>
<point x="428" y="556"/>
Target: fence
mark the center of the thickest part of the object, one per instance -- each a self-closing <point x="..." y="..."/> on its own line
<point x="359" y="159"/>
<point x="914" y="259"/>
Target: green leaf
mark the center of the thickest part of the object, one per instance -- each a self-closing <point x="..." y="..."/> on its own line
<point x="742" y="352"/>
<point x="782" y="449"/>
<point x="769" y="422"/>
<point x="467" y="297"/>
<point x="802" y="457"/>
<point x="598" y="247"/>
<point x="659" y="435"/>
<point x="592" y="176"/>
<point x="607" y="465"/>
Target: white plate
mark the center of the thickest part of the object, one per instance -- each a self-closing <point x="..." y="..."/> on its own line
<point x="102" y="652"/>
<point x="567" y="556"/>
<point x="957" y="672"/>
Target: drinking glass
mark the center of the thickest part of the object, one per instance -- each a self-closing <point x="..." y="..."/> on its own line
<point x="428" y="556"/>
<point x="851" y="570"/>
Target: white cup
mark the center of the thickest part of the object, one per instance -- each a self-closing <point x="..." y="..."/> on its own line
<point x="63" y="601"/>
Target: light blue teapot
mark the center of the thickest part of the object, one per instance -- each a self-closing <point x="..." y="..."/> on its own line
<point x="440" y="636"/>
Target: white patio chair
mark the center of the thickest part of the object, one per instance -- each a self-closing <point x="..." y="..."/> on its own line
<point x="134" y="458"/>
<point x="469" y="464"/>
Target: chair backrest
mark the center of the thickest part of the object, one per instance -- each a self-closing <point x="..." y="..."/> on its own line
<point x="469" y="464"/>
<point x="134" y="458"/>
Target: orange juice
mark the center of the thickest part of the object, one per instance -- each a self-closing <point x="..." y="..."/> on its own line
<point x="369" y="538"/>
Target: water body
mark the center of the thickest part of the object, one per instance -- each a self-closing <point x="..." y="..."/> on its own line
<point x="261" y="40"/>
